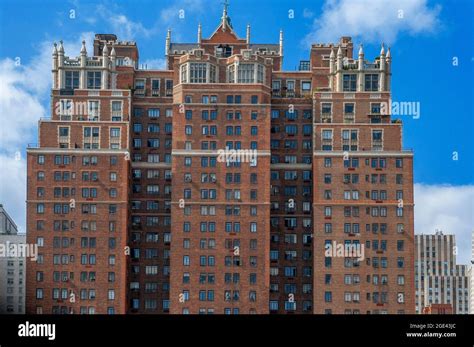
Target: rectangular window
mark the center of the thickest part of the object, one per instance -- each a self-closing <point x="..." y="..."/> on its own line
<point x="245" y="73"/>
<point x="371" y="82"/>
<point x="72" y="80"/>
<point x="349" y="82"/>
<point x="94" y="79"/>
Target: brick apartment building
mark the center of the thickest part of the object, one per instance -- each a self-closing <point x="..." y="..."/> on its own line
<point x="137" y="213"/>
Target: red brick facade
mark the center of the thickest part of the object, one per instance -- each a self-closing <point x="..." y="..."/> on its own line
<point x="164" y="225"/>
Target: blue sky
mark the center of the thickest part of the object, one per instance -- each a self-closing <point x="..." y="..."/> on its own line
<point x="425" y="38"/>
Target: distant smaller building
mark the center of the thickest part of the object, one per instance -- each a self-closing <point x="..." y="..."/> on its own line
<point x="439" y="279"/>
<point x="12" y="268"/>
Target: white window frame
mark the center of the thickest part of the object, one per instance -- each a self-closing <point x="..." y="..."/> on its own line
<point x="119" y="138"/>
<point x="155" y="92"/>
<point x="306" y="91"/>
<point x="112" y="110"/>
<point x="372" y="138"/>
<point x="90" y="115"/>
<point x="68" y="137"/>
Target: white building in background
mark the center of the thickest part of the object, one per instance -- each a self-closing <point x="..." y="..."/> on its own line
<point x="438" y="279"/>
<point x="12" y="269"/>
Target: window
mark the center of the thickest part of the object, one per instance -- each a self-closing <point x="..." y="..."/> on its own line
<point x="327" y="162"/>
<point x="327" y="139"/>
<point x="140" y="86"/>
<point x="116" y="111"/>
<point x="155" y="86"/>
<point x="305" y="86"/>
<point x="377" y="140"/>
<point x="349" y="82"/>
<point x="198" y="72"/>
<point x="154" y="112"/>
<point x="91" y="137"/>
<point x="349" y="112"/>
<point x="93" y="109"/>
<point x="114" y="138"/>
<point x="371" y="82"/>
<point x="184" y="73"/>
<point x="326" y="108"/>
<point x="40" y="208"/>
<point x="93" y="79"/>
<point x="276" y="87"/>
<point x="169" y="87"/>
<point x="290" y="88"/>
<point x="375" y="108"/>
<point x="260" y="73"/>
<point x="245" y="73"/>
<point x="72" y="80"/>
<point x="327" y="296"/>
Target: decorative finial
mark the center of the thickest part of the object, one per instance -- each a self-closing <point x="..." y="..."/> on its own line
<point x="248" y="34"/>
<point x="281" y="42"/>
<point x="382" y="50"/>
<point x="83" y="48"/>
<point x="61" y="47"/>
<point x="361" y="50"/>
<point x="226" y="4"/>
<point x="55" y="49"/>
<point x="225" y="17"/>
<point x="199" y="33"/>
<point x="105" y="51"/>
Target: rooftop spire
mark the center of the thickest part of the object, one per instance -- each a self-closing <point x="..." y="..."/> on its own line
<point x="61" y="47"/>
<point x="168" y="41"/>
<point x="199" y="33"/>
<point x="225" y="18"/>
<point x="281" y="42"/>
<point x="247" y="39"/>
<point x="83" y="48"/>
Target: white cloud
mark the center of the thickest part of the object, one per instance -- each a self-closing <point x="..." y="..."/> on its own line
<point x="127" y="29"/>
<point x="447" y="208"/>
<point x="20" y="105"/>
<point x="13" y="188"/>
<point x="124" y="27"/>
<point x="373" y="21"/>
<point x="24" y="99"/>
